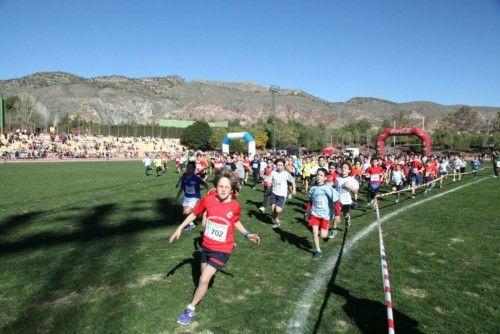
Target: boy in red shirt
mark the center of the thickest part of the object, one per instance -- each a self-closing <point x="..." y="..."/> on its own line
<point x="375" y="174"/>
<point x="223" y="216"/>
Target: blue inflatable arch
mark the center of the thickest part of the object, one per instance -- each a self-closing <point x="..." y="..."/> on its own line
<point x="239" y="135"/>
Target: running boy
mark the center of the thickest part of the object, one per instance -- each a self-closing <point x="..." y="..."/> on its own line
<point x="223" y="216"/>
<point x="190" y="184"/>
<point x="345" y="185"/>
<point x="279" y="179"/>
<point x="320" y="208"/>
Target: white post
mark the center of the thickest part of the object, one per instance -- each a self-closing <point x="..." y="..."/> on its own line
<point x="394" y="137"/>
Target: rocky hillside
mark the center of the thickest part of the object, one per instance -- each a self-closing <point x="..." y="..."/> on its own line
<point x="117" y="99"/>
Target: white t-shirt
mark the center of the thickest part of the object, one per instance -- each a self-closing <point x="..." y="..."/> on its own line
<point x="314" y="169"/>
<point x="365" y="166"/>
<point x="344" y="193"/>
<point x="146" y="161"/>
<point x="443" y="166"/>
<point x="279" y="180"/>
<point x="397" y="177"/>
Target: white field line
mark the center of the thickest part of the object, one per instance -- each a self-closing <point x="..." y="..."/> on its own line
<point x="298" y="321"/>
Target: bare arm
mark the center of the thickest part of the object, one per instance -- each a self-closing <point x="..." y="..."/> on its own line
<point x="250" y="236"/>
<point x="179" y="229"/>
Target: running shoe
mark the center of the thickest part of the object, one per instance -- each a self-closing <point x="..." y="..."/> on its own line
<point x="276" y="223"/>
<point x="190" y="227"/>
<point x="332" y="234"/>
<point x="186" y="316"/>
<point x="317" y="255"/>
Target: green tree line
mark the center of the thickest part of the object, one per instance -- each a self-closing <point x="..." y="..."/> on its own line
<point x="459" y="130"/>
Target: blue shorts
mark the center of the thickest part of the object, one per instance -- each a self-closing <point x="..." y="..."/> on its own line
<point x="417" y="179"/>
<point x="278" y="200"/>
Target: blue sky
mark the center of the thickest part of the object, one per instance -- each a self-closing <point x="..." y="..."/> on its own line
<point x="445" y="51"/>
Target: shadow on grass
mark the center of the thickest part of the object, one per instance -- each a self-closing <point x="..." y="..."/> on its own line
<point x="331" y="283"/>
<point x="195" y="262"/>
<point x="18" y="221"/>
<point x="90" y="228"/>
<point x="299" y="242"/>
<point x="88" y="270"/>
<point x="368" y="315"/>
<point x="256" y="204"/>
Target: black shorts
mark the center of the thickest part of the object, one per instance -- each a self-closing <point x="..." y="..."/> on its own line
<point x="398" y="187"/>
<point x="214" y="259"/>
<point x="345" y="209"/>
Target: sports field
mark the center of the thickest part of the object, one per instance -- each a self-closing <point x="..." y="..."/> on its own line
<point x="84" y="248"/>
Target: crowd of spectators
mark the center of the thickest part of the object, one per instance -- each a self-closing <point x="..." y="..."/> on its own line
<point x="21" y="144"/>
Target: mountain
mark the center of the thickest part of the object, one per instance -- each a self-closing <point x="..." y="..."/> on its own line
<point x="118" y="99"/>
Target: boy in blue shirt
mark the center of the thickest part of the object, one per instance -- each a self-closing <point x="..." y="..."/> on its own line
<point x="320" y="209"/>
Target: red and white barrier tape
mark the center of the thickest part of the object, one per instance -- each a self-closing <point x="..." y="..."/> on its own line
<point x="383" y="258"/>
<point x="425" y="184"/>
<point x="385" y="273"/>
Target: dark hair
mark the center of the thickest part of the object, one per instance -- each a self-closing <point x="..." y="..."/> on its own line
<point x="279" y="160"/>
<point x="191" y="164"/>
<point x="325" y="172"/>
<point x="347" y="164"/>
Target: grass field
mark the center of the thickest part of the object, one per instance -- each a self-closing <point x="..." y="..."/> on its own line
<point x="84" y="248"/>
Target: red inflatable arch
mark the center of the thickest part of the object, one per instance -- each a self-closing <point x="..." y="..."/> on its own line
<point x="426" y="139"/>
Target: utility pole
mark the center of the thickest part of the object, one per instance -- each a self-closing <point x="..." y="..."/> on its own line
<point x="274" y="89"/>
<point x="394" y="137"/>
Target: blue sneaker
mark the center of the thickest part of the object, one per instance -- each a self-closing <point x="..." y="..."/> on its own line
<point x="190" y="227"/>
<point x="186" y="316"/>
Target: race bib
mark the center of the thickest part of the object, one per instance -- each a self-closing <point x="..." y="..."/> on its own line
<point x="320" y="204"/>
<point x="190" y="190"/>
<point x="255" y="166"/>
<point x="215" y="231"/>
<point x="498" y="164"/>
<point x="414" y="170"/>
<point x="374" y="177"/>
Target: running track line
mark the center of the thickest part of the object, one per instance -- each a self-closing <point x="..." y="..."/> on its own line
<point x="298" y="321"/>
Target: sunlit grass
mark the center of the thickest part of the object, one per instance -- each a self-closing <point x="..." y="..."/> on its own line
<point x="84" y="248"/>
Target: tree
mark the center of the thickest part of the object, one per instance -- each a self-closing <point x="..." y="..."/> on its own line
<point x="237" y="146"/>
<point x="463" y="120"/>
<point x="261" y="139"/>
<point x="25" y="107"/>
<point x="285" y="134"/>
<point x="386" y="124"/>
<point x="217" y="137"/>
<point x="495" y="124"/>
<point x="402" y="119"/>
<point x="197" y="136"/>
